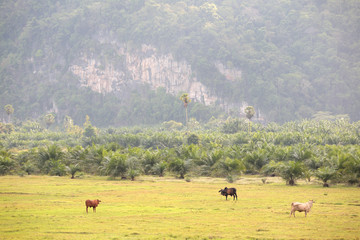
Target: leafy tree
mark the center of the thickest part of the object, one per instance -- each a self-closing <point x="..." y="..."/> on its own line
<point x="9" y="110"/>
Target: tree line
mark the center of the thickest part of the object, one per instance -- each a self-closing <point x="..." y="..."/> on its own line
<point x="310" y="149"/>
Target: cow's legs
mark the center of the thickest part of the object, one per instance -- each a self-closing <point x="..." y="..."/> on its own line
<point x="86" y="209"/>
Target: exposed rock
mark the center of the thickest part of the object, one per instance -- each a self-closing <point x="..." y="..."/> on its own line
<point x="143" y="66"/>
<point x="231" y="74"/>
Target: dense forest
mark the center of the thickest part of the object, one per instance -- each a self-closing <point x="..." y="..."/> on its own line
<point x="297" y="58"/>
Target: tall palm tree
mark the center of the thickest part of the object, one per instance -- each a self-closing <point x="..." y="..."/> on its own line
<point x="186" y="100"/>
<point x="250" y="112"/>
<point x="9" y="110"/>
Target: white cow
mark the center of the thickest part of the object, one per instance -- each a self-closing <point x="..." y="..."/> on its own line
<point x="301" y="207"/>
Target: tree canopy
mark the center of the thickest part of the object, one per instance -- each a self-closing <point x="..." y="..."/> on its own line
<point x="296" y="58"/>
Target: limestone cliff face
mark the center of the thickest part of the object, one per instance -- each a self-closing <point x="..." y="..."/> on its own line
<point x="231" y="74"/>
<point x="146" y="65"/>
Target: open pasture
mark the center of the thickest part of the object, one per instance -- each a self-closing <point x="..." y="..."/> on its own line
<point x="43" y="207"/>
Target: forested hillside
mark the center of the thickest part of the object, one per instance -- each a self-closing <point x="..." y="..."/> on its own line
<point x="296" y="58"/>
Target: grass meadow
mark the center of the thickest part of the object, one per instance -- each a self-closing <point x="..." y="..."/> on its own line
<point x="44" y="207"/>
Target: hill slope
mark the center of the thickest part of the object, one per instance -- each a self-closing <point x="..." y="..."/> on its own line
<point x="126" y="62"/>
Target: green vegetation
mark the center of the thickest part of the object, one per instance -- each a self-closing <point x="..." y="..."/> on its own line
<point x="297" y="58"/>
<point x="164" y="208"/>
<point x="326" y="150"/>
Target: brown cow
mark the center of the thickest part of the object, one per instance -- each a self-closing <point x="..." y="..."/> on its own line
<point x="92" y="203"/>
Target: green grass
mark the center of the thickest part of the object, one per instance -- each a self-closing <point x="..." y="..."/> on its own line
<point x="43" y="207"/>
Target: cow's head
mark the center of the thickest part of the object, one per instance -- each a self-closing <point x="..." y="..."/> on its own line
<point x="222" y="191"/>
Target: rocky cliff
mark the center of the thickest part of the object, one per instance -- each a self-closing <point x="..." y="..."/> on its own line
<point x="146" y="65"/>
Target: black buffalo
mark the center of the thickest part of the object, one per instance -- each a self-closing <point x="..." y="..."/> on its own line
<point x="229" y="191"/>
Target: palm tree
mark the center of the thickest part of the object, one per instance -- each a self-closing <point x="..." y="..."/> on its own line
<point x="230" y="167"/>
<point x="133" y="166"/>
<point x="72" y="169"/>
<point x="250" y="112"/>
<point x="49" y="119"/>
<point x="9" y="110"/>
<point x="115" y="165"/>
<point x="186" y="100"/>
<point x="291" y="171"/>
<point x="50" y="160"/>
<point x="179" y="166"/>
<point x="325" y="174"/>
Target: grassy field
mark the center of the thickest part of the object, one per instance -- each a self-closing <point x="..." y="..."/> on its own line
<point x="43" y="207"/>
